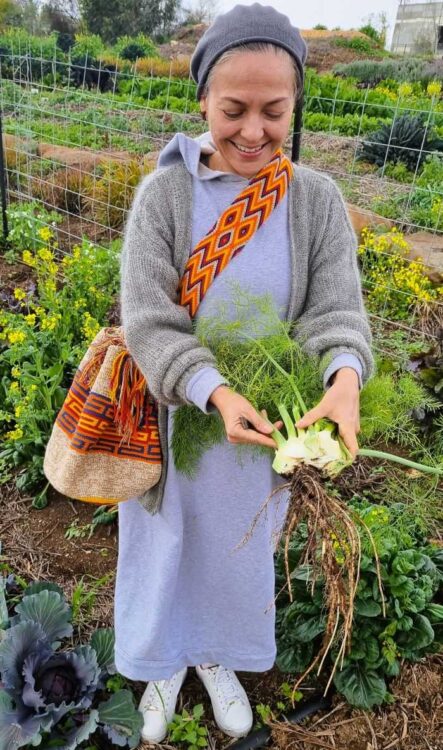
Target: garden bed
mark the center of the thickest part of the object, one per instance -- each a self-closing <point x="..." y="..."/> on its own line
<point x="35" y="547"/>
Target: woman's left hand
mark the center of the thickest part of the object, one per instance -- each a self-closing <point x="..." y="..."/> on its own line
<point x="341" y="404"/>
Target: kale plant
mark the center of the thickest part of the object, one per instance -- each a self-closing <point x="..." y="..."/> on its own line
<point x="52" y="696"/>
<point x="407" y="139"/>
<point x="411" y="573"/>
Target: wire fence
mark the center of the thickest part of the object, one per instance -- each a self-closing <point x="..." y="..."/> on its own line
<point x="78" y="139"/>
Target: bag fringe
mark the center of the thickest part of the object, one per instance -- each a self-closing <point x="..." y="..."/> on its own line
<point x="128" y="387"/>
<point x="128" y="391"/>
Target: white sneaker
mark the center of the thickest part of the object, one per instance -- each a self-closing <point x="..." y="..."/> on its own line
<point x="232" y="710"/>
<point x="157" y="705"/>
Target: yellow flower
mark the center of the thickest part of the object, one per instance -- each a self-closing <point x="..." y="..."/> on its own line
<point x="45" y="234"/>
<point x="405" y="89"/>
<point x="19" y="293"/>
<point x="28" y="258"/>
<point x="16" y="372"/>
<point x="15" y="434"/>
<point x="45" y="254"/>
<point x="90" y="326"/>
<point x="33" y="387"/>
<point x="434" y="88"/>
<point x="52" y="268"/>
<point x="50" y="286"/>
<point x="50" y="323"/>
<point x="13" y="386"/>
<point x="30" y="319"/>
<point x="18" y="410"/>
<point x="76" y="252"/>
<point x="16" y="337"/>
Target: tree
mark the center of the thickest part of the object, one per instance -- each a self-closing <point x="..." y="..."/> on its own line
<point x="114" y="18"/>
<point x="10" y="13"/>
<point x="201" y="11"/>
<point x="61" y="15"/>
<point x="30" y="15"/>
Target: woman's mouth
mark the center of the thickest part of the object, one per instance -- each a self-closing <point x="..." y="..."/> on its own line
<point x="247" y="151"/>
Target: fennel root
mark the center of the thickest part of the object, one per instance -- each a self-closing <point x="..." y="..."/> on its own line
<point x="332" y="550"/>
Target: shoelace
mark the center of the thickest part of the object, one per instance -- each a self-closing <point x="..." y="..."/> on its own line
<point x="225" y="685"/>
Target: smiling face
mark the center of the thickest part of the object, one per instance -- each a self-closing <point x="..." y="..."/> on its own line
<point x="248" y="108"/>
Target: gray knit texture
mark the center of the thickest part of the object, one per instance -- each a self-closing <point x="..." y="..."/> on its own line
<point x="242" y="24"/>
<point x="326" y="299"/>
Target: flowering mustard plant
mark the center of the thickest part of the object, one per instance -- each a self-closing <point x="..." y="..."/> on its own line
<point x="395" y="284"/>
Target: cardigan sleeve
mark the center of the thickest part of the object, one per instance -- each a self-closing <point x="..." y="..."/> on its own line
<point x="158" y="331"/>
<point x="334" y="320"/>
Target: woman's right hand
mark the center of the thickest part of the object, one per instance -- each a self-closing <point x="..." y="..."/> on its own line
<point x="242" y="423"/>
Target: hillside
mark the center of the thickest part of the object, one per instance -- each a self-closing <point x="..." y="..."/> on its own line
<point x="323" y="51"/>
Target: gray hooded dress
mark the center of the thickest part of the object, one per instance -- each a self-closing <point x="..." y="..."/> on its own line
<point x="184" y="594"/>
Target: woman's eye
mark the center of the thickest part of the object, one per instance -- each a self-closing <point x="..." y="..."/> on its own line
<point x="232" y="115"/>
<point x="273" y="115"/>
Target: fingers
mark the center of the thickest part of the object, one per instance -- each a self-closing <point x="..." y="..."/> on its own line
<point x="347" y="433"/>
<point x="253" y="429"/>
<point x="311" y="416"/>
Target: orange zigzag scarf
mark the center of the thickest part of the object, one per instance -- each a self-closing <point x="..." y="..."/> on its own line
<point x="233" y="229"/>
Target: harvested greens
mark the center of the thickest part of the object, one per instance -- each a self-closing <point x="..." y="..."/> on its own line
<point x="262" y="359"/>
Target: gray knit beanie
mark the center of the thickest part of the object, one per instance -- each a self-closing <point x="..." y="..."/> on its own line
<point x="242" y="24"/>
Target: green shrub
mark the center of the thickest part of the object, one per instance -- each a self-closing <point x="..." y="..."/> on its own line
<point x="17" y="41"/>
<point x="404" y="69"/>
<point x="357" y="43"/>
<point x="371" y="32"/>
<point x="130" y="48"/>
<point x="398" y="172"/>
<point x="87" y="44"/>
<point x="426" y="200"/>
<point x="407" y="140"/>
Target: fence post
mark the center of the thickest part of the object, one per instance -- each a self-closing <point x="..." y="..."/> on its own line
<point x="3" y="180"/>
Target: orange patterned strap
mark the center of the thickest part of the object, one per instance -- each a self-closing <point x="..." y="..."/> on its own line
<point x="233" y="229"/>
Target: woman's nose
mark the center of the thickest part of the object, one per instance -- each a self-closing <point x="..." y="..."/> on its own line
<point x="252" y="130"/>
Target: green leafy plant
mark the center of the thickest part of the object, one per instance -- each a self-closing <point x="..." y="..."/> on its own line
<point x="87" y="44"/>
<point x="84" y="595"/>
<point x="395" y="284"/>
<point x="406" y="139"/>
<point x="406" y="624"/>
<point x="53" y="696"/>
<point x="357" y="43"/>
<point x="24" y="222"/>
<point x="186" y="729"/>
<point x="250" y="366"/>
<point x="42" y="339"/>
<point x="404" y="69"/>
<point x="132" y="47"/>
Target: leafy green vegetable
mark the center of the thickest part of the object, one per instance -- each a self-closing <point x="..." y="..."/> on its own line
<point x="262" y="358"/>
<point x="411" y="572"/>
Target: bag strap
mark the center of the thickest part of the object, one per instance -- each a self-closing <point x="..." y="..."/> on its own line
<point x="232" y="230"/>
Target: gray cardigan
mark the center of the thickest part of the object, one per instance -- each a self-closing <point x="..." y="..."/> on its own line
<point x="326" y="299"/>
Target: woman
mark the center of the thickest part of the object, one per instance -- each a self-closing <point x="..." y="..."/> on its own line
<point x="184" y="597"/>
